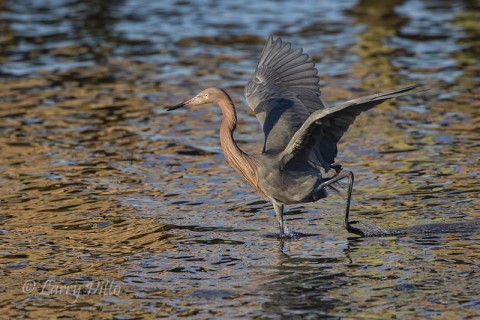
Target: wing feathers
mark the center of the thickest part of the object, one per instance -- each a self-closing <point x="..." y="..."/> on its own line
<point x="283" y="92"/>
<point x="285" y="96"/>
<point x="269" y="50"/>
<point x="279" y="65"/>
<point x="324" y="128"/>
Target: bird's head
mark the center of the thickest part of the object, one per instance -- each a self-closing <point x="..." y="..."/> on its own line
<point x="207" y="96"/>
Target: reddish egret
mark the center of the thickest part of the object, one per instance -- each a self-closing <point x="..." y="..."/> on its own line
<point x="297" y="163"/>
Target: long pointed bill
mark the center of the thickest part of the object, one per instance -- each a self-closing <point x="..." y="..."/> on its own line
<point x="195" y="101"/>
<point x="177" y="106"/>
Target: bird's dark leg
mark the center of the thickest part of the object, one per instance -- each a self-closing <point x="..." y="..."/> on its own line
<point x="278" y="207"/>
<point x="340" y="176"/>
<point x="346" y="222"/>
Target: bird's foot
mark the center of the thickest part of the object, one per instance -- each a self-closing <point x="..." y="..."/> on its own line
<point x="288" y="234"/>
<point x="351" y="229"/>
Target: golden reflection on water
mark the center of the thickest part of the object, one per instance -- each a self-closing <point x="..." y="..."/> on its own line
<point x="99" y="183"/>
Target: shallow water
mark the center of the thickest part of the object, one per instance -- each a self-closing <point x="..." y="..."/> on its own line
<point x="109" y="205"/>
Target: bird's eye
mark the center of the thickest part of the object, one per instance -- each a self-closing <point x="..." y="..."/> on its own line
<point x="206" y="95"/>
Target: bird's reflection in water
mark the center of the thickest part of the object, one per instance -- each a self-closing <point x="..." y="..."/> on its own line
<point x="301" y="285"/>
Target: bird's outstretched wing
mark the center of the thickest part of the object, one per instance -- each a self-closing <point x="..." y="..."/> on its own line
<point x="316" y="140"/>
<point x="283" y="93"/>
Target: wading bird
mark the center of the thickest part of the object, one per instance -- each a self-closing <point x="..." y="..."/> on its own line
<point x="297" y="163"/>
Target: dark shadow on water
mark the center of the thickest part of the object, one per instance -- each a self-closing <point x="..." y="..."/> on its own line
<point x="434" y="229"/>
<point x="371" y="230"/>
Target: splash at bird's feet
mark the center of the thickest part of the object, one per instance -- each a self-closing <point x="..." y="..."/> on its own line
<point x="289" y="234"/>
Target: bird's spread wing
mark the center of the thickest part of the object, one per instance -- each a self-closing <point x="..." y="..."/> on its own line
<point x="316" y="140"/>
<point x="283" y="93"/>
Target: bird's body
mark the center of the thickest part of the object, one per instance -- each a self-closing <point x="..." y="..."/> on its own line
<point x="290" y="186"/>
<point x="297" y="163"/>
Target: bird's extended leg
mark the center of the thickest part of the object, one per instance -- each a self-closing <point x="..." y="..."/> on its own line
<point x="278" y="207"/>
<point x="346" y="221"/>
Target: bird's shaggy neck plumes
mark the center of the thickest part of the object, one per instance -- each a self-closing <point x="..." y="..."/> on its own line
<point x="242" y="162"/>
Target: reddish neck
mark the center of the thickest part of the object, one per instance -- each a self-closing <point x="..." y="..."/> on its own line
<point x="242" y="162"/>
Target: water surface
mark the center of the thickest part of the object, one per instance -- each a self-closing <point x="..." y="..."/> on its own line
<point x="109" y="205"/>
